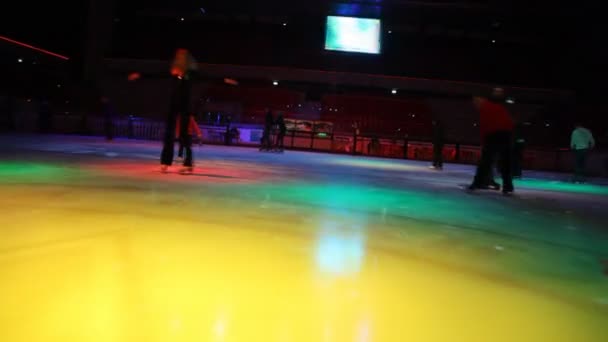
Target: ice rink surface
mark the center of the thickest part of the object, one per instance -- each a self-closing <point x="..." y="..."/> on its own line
<point x="97" y="245"/>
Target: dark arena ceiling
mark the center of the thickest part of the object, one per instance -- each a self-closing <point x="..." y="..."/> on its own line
<point x="528" y="43"/>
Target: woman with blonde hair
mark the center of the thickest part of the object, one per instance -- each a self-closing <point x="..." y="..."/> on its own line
<point x="183" y="70"/>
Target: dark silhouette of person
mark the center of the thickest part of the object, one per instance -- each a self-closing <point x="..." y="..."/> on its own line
<point x="519" y="145"/>
<point x="438" y="142"/>
<point x="581" y="142"/>
<point x="496" y="126"/>
<point x="356" y="133"/>
<point x="268" y="123"/>
<point x="227" y="134"/>
<point x="281" y="134"/>
<point x="182" y="72"/>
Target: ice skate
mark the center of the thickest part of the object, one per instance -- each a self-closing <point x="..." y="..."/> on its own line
<point x="186" y="170"/>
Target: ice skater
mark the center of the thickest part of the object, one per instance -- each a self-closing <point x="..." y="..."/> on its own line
<point x="186" y="128"/>
<point x="182" y="70"/>
<point x="279" y="145"/>
<point x="581" y="141"/>
<point x="266" y="140"/>
<point x="496" y="126"/>
<point x="438" y="141"/>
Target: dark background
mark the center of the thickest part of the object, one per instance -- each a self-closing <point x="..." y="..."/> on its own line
<point x="538" y="43"/>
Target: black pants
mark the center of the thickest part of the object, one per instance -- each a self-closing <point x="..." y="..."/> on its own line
<point x="437" y="155"/>
<point x="266" y="141"/>
<point x="180" y="149"/>
<point x="166" y="156"/>
<point x="185" y="140"/>
<point x="581" y="164"/>
<point x="518" y="159"/>
<point x="280" y="140"/>
<point x="495" y="145"/>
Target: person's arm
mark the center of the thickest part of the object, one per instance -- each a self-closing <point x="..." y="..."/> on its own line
<point x="195" y="127"/>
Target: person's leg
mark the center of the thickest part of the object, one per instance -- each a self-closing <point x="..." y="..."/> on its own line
<point x="277" y="144"/>
<point x="187" y="142"/>
<point x="439" y="156"/>
<point x="488" y="153"/>
<point x="180" y="151"/>
<point x="518" y="157"/>
<point x="166" y="157"/>
<point x="581" y="160"/>
<point x="577" y="166"/>
<point x="506" y="167"/>
<point x="270" y="140"/>
<point x="265" y="138"/>
<point x="489" y="182"/>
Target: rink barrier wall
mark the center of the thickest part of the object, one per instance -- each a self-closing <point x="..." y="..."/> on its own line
<point x="561" y="160"/>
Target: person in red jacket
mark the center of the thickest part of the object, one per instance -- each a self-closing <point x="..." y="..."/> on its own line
<point x="184" y="131"/>
<point x="496" y="126"/>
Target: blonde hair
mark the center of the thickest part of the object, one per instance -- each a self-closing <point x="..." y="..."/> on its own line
<point x="183" y="62"/>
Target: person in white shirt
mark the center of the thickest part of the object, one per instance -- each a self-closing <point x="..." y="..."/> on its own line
<point x="581" y="142"/>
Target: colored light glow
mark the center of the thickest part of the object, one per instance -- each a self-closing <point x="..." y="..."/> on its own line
<point x="325" y="253"/>
<point x="231" y="81"/>
<point x="559" y="186"/>
<point x="339" y="253"/>
<point x="31" y="47"/>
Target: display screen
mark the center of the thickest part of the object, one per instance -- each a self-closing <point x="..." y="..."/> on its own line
<point x="352" y="34"/>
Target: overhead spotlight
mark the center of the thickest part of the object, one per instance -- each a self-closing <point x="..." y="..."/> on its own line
<point x="182" y="19"/>
<point x="58" y="85"/>
<point x="493" y="41"/>
<point x="284" y="24"/>
<point x="275" y="83"/>
<point x="390" y="31"/>
<point x="19" y="60"/>
<point x="510" y="100"/>
<point x="394" y="91"/>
